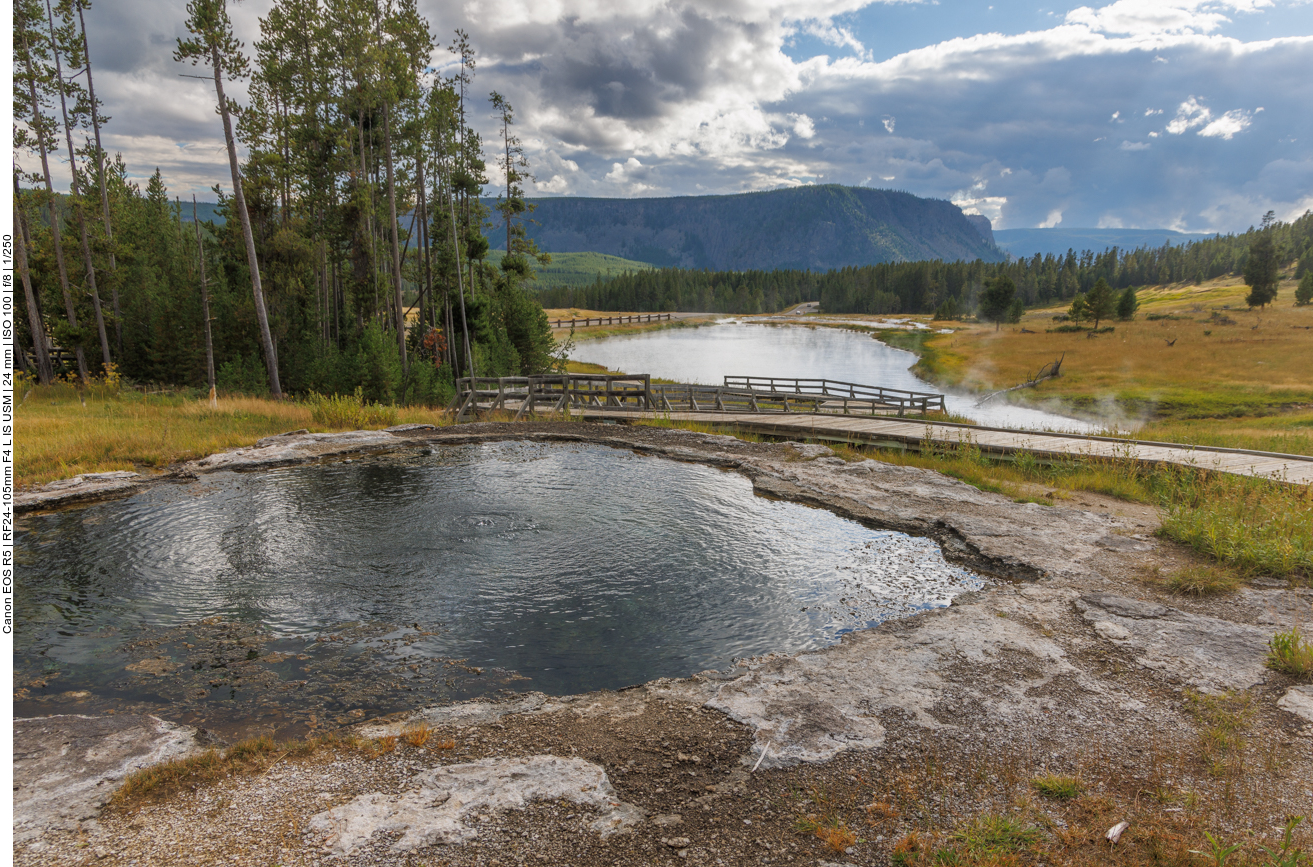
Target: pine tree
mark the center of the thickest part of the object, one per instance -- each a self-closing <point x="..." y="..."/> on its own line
<point x="996" y="300"/>
<point x="1261" y="271"/>
<point x="34" y="80"/>
<point x="1127" y="304"/>
<point x="63" y="41"/>
<point x="511" y="204"/>
<point x="1080" y="308"/>
<point x="213" y="42"/>
<point x="98" y="157"/>
<point x="1304" y="294"/>
<point x="1100" y="301"/>
<point x="45" y="372"/>
<point x="1016" y="310"/>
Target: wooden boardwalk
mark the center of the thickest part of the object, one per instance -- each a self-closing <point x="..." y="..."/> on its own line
<point x="903" y="433"/>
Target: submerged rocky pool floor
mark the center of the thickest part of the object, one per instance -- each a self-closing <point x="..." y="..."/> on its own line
<point x="921" y="740"/>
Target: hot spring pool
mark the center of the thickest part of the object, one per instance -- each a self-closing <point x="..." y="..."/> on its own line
<point x="309" y="596"/>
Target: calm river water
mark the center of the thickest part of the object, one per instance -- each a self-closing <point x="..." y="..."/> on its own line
<point x="707" y="354"/>
<point x="297" y="597"/>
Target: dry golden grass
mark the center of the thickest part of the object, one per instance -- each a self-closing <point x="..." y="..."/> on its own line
<point x="1253" y="367"/>
<point x="245" y="757"/>
<point x="1206" y="579"/>
<point x="56" y="436"/>
<point x="417" y="735"/>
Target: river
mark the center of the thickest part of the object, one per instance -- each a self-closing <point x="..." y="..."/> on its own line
<point x="707" y="354"/>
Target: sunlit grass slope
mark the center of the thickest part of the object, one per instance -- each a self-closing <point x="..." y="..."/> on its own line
<point x="56" y="437"/>
<point x="1196" y="364"/>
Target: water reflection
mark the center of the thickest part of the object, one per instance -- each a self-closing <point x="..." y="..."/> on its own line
<point x="564" y="568"/>
<point x="707" y="354"/>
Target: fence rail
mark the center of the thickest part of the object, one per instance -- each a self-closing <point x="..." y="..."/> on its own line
<point x="554" y="393"/>
<point x="611" y="320"/>
<point x="846" y="394"/>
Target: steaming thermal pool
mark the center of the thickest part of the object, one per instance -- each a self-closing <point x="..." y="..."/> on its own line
<point x="299" y="596"/>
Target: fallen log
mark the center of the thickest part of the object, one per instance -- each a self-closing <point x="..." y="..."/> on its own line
<point x="1048" y="371"/>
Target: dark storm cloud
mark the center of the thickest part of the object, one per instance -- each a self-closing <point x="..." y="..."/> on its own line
<point x="658" y="97"/>
<point x="642" y="75"/>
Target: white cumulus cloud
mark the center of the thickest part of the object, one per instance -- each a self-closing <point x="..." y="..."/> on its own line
<point x="1226" y="126"/>
<point x="1189" y="114"/>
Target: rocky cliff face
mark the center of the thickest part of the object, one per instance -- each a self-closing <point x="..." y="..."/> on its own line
<point x="983" y="226"/>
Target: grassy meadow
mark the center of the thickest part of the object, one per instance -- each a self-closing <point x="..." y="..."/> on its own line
<point x="1196" y="365"/>
<point x="58" y="435"/>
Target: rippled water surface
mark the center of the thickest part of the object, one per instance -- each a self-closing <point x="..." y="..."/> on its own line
<point x="708" y="354"/>
<point x="306" y="594"/>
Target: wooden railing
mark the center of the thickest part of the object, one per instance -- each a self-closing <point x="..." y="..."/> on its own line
<point x="611" y="320"/>
<point x="553" y="392"/>
<point x="830" y="392"/>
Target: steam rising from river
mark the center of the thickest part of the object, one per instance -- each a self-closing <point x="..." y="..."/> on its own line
<point x="707" y="354"/>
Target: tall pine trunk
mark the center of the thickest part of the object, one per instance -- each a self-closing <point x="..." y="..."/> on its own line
<point x="76" y="196"/>
<point x="396" y="247"/>
<point x="465" y="323"/>
<point x="104" y="191"/>
<point x="239" y="197"/>
<point x="205" y="305"/>
<point x="44" y="371"/>
<point x="69" y="307"/>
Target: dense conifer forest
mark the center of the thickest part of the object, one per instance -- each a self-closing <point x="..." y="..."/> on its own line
<point x="348" y="249"/>
<point x="310" y="281"/>
<point x="950" y="288"/>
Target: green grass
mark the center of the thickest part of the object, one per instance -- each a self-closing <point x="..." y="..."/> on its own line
<point x="1287" y="432"/>
<point x="578" y="269"/>
<point x="1056" y="787"/>
<point x="350" y="412"/>
<point x="1291" y="653"/>
<point x="1253" y="525"/>
<point x="993" y="835"/>
<point x="61" y="431"/>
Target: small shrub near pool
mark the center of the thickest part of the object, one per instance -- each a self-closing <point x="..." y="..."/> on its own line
<point x="1291" y="653"/>
<point x="349" y="412"/>
<point x="1055" y="787"/>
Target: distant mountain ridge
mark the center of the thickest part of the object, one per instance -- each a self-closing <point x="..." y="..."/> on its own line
<point x="1028" y="242"/>
<point x="815" y="228"/>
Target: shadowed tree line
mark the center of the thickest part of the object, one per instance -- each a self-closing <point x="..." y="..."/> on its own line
<point x="351" y="250"/>
<point x="954" y="289"/>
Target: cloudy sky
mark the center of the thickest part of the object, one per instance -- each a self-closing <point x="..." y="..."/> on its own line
<point x="1182" y="114"/>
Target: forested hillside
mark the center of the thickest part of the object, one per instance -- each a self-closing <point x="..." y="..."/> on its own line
<point x="296" y="280"/>
<point x="924" y="287"/>
<point x="807" y="228"/>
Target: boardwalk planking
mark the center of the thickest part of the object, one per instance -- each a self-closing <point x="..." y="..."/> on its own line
<point x="1291" y="468"/>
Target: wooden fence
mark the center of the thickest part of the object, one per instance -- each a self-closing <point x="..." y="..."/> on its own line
<point x="554" y="393"/>
<point x="835" y="396"/>
<point x="611" y="320"/>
